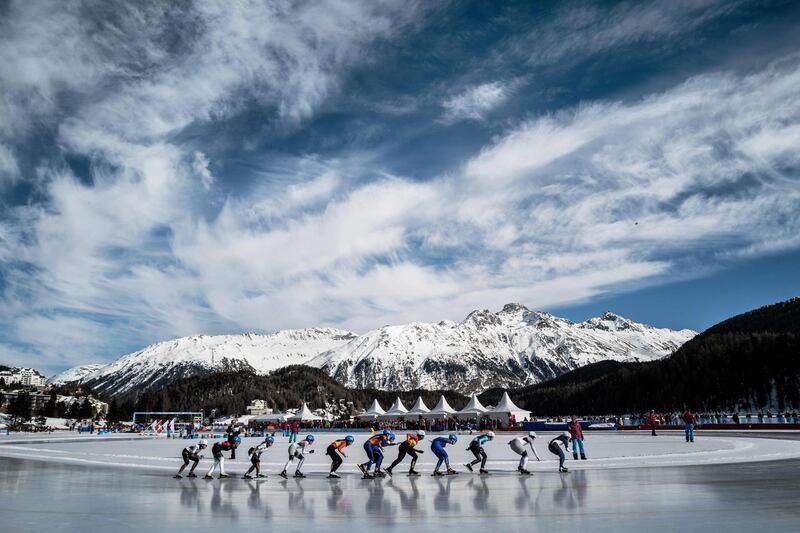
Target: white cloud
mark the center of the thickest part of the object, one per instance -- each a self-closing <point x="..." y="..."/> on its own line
<point x="475" y="102"/>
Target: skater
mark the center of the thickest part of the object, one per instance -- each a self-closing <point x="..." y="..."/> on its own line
<point x="336" y="452"/>
<point x="689" y="420"/>
<point x="476" y="447"/>
<point x="576" y="433"/>
<point x="191" y="453"/>
<point x="297" y="450"/>
<point x="374" y="448"/>
<point x="408" y="447"/>
<point x="233" y="434"/>
<point x="255" y="457"/>
<point x="556" y="450"/>
<point x="219" y="460"/>
<point x="518" y="445"/>
<point x="437" y="447"/>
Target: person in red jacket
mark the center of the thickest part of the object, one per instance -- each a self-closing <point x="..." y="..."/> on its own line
<point x="576" y="434"/>
<point x="689" y="420"/>
<point x="653" y="419"/>
<point x="294" y="429"/>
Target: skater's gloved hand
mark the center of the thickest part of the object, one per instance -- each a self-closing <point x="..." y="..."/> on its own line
<point x="311" y="451"/>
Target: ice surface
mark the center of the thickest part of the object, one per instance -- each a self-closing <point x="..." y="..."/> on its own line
<point x="605" y="451"/>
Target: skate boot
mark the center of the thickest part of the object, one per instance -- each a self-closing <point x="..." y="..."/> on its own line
<point x="333" y="475"/>
<point x="583" y="457"/>
<point x="223" y="476"/>
<point x="207" y="477"/>
<point x="363" y="470"/>
<point x="380" y="473"/>
<point x="451" y="472"/>
<point x="389" y="471"/>
<point x="437" y="473"/>
<point x="483" y="471"/>
<point x="191" y="474"/>
<point x="247" y="476"/>
<point x="563" y="469"/>
<point x="299" y="474"/>
<point x="283" y="475"/>
<point x="367" y="475"/>
<point x="178" y="476"/>
<point x="524" y="472"/>
<point x="261" y="476"/>
<point x="468" y="467"/>
<point x="575" y="456"/>
<point x="413" y="473"/>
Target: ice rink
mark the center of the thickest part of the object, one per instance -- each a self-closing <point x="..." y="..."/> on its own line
<point x="630" y="482"/>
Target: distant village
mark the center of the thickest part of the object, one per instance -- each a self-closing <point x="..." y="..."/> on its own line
<point x="27" y="401"/>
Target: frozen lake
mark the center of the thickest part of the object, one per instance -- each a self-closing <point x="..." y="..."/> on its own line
<point x="126" y="486"/>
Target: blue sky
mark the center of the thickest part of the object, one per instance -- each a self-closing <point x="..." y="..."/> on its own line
<point x="216" y="167"/>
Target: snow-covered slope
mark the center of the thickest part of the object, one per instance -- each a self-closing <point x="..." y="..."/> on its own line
<point x="164" y="362"/>
<point x="74" y="374"/>
<point x="510" y="348"/>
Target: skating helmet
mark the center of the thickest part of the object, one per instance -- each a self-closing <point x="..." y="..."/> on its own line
<point x="349" y="439"/>
<point x="490" y="434"/>
<point x="392" y="436"/>
<point x="310" y="438"/>
<point x="269" y="439"/>
<point x="453" y="438"/>
<point x="532" y="434"/>
<point x="237" y="439"/>
<point x="566" y="434"/>
<point x="386" y="432"/>
<point x="421" y="433"/>
<point x="203" y="443"/>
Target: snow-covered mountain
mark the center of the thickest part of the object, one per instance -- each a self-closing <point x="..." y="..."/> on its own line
<point x="75" y="374"/>
<point x="511" y="348"/>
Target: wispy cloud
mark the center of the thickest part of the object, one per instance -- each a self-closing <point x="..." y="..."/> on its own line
<point x="474" y="102"/>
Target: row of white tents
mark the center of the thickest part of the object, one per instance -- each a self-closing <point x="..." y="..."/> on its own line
<point x="503" y="411"/>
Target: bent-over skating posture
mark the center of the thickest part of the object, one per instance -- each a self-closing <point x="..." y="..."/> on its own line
<point x="408" y="447"/>
<point x="191" y="454"/>
<point x="556" y="449"/>
<point x="437" y="447"/>
<point x="476" y="447"/>
<point x="255" y="457"/>
<point x="518" y="446"/>
<point x="297" y="451"/>
<point x="374" y="449"/>
<point x="219" y="460"/>
<point x="336" y="452"/>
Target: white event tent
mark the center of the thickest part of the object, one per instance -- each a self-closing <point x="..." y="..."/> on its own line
<point x="375" y="410"/>
<point x="442" y="409"/>
<point x="419" y="409"/>
<point x="506" y="408"/>
<point x="473" y="409"/>
<point x="304" y="414"/>
<point x="397" y="410"/>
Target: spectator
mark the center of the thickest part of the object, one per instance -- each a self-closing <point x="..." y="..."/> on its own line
<point x="576" y="434"/>
<point x="689" y="420"/>
<point x="653" y="420"/>
<point x="294" y="429"/>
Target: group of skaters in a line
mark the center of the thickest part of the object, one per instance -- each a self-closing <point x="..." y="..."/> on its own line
<point x="374" y="448"/>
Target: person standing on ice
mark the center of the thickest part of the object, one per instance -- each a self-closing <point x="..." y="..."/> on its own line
<point x="297" y="451"/>
<point x="556" y="449"/>
<point x="476" y="447"/>
<point x="576" y="433"/>
<point x="189" y="454"/>
<point x="219" y="459"/>
<point x="408" y="447"/>
<point x="336" y="452"/>
<point x="437" y="447"/>
<point x="294" y="429"/>
<point x="255" y="457"/>
<point x="518" y="446"/>
<point x="689" y="420"/>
